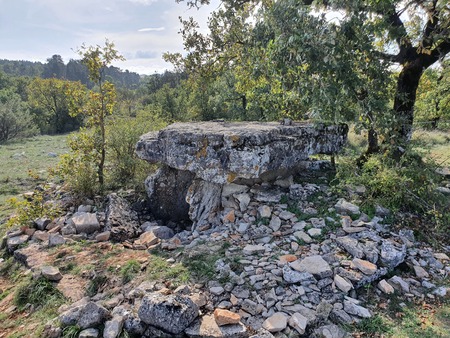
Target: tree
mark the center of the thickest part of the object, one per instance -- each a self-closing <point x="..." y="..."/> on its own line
<point x="99" y="103"/>
<point x="433" y="96"/>
<point x="54" y="68"/>
<point x="15" y="120"/>
<point x="308" y="49"/>
<point x="49" y="98"/>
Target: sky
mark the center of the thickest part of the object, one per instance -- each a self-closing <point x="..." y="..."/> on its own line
<point x="142" y="30"/>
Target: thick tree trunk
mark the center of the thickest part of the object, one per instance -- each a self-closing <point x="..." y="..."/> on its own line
<point x="405" y="98"/>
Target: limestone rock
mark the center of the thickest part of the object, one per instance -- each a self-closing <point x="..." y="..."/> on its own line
<point x="264" y="211"/>
<point x="420" y="272"/>
<point x="206" y="327"/>
<point x="85" y="222"/>
<point x="85" y="315"/>
<point x="89" y="333"/>
<point x="147" y="239"/>
<point x="314" y="265"/>
<point x="351" y="245"/>
<point x="275" y="323"/>
<point x="385" y="287"/>
<point x="113" y="327"/>
<point x="298" y="322"/>
<point x="51" y="273"/>
<point x="204" y="201"/>
<point x="292" y="276"/>
<point x="391" y="256"/>
<point x="13" y="243"/>
<point x="55" y="240"/>
<point x="121" y="220"/>
<point x="222" y="152"/>
<point x="329" y="331"/>
<point x="364" y="266"/>
<point x="357" y="310"/>
<point x="172" y="313"/>
<point x="225" y="317"/>
<point x="344" y="207"/>
<point x="253" y="249"/>
<point x="342" y="284"/>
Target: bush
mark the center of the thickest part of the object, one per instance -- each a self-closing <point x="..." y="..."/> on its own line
<point x="407" y="186"/>
<point x="15" y="120"/>
<point x="126" y="169"/>
<point x="28" y="210"/>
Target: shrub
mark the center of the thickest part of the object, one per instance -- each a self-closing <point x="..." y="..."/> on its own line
<point x="407" y="186"/>
<point x="28" y="210"/>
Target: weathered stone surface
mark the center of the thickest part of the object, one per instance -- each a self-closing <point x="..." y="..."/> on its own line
<point x="113" y="327"/>
<point x="85" y="222"/>
<point x="41" y="223"/>
<point x="147" y="239"/>
<point x="329" y="331"/>
<point x="342" y="206"/>
<point x="420" y="272"/>
<point x="55" y="240"/>
<point x="385" y="287"/>
<point x="364" y="266"/>
<point x="292" y="276"/>
<point x="121" y="220"/>
<point x="356" y="310"/>
<point x="223" y="152"/>
<point x="172" y="313"/>
<point x="350" y="245"/>
<point x="315" y="265"/>
<point x="342" y="284"/>
<point x="225" y="317"/>
<point x="391" y="256"/>
<point x="204" y="199"/>
<point x="85" y="316"/>
<point x="298" y="322"/>
<point x="14" y="242"/>
<point x="253" y="249"/>
<point x="51" y="273"/>
<point x="276" y="323"/>
<point x="89" y="333"/>
<point x="206" y="327"/>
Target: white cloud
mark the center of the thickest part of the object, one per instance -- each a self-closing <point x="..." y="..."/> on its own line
<point x="156" y="29"/>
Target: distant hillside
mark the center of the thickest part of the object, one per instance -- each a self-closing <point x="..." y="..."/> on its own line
<point x="74" y="70"/>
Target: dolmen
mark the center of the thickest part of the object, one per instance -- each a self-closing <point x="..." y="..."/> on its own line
<point x="202" y="164"/>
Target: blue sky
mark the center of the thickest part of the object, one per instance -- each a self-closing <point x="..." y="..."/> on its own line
<point x="141" y="29"/>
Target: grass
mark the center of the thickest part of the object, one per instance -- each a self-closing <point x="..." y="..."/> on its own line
<point x="130" y="270"/>
<point x="37" y="292"/>
<point x="20" y="157"/>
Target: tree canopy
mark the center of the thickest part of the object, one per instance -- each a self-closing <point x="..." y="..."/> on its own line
<point x="336" y="60"/>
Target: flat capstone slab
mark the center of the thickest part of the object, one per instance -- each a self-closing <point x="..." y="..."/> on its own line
<point x="224" y="152"/>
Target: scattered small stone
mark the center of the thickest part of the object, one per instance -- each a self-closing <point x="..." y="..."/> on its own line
<point x="225" y="317"/>
<point x="51" y="273"/>
<point x="342" y="284"/>
<point x="253" y="249"/>
<point x="385" y="287"/>
<point x="315" y="265"/>
<point x="275" y="323"/>
<point x="357" y="310"/>
<point x="420" y="272"/>
<point x="217" y="290"/>
<point x="298" y="322"/>
<point x="364" y="266"/>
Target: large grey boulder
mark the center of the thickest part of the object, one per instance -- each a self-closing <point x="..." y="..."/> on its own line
<point x="203" y="161"/>
<point x="172" y="313"/>
<point x="223" y="152"/>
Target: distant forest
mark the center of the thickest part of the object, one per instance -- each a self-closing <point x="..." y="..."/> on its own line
<point x="74" y="70"/>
